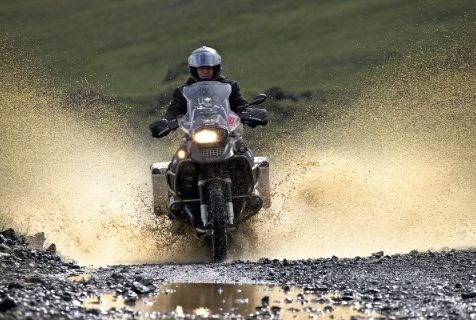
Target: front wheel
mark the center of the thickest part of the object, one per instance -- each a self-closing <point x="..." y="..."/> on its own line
<point x="219" y="221"/>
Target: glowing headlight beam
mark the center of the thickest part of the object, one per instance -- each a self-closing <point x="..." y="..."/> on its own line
<point x="206" y="136"/>
<point x="181" y="154"/>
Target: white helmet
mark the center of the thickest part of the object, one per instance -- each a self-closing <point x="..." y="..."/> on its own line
<point x="204" y="57"/>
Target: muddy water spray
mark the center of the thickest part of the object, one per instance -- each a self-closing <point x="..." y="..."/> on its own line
<point x="395" y="172"/>
<point x="83" y="180"/>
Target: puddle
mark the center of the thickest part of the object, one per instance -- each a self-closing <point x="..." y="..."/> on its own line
<point x="215" y="299"/>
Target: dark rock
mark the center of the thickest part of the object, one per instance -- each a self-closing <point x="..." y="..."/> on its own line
<point x="15" y="285"/>
<point x="51" y="249"/>
<point x="66" y="296"/>
<point x="306" y="95"/>
<point x="36" y="241"/>
<point x="372" y="291"/>
<point x="158" y="103"/>
<point x="328" y="309"/>
<point x="9" y="234"/>
<point x="116" y="275"/>
<point x="308" y="289"/>
<point x="322" y="288"/>
<point x="4" y="256"/>
<point x="275" y="310"/>
<point x="7" y="304"/>
<point x="174" y="72"/>
<point x="278" y="93"/>
<point x="35" y="278"/>
<point x="139" y="288"/>
<point x="267" y="314"/>
<point x="265" y="301"/>
<point x="468" y="295"/>
<point x="130" y="299"/>
<point x="378" y="254"/>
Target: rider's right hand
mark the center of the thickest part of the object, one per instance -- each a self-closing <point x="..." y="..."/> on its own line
<point x="158" y="128"/>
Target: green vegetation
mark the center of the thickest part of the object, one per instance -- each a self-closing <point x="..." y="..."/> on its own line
<point x="124" y="48"/>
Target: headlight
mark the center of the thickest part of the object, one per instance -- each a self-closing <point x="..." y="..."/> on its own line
<point x="209" y="136"/>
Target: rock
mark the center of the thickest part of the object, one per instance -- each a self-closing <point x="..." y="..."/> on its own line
<point x="9" y="234"/>
<point x="328" y="309"/>
<point x="378" y="254"/>
<point x="15" y="285"/>
<point x="4" y="255"/>
<point x="51" y="249"/>
<point x="172" y="74"/>
<point x="278" y="93"/>
<point x="265" y="301"/>
<point x="159" y="102"/>
<point x="130" y="299"/>
<point x="468" y="295"/>
<point x="139" y="288"/>
<point x="7" y="304"/>
<point x="322" y="288"/>
<point x="372" y="291"/>
<point x="36" y="241"/>
<point x="275" y="310"/>
<point x="34" y="278"/>
<point x="4" y="247"/>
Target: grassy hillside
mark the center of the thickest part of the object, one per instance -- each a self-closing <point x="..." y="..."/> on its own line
<point x="124" y="48"/>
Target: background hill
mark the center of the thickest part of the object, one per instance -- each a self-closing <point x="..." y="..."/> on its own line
<point x="125" y="48"/>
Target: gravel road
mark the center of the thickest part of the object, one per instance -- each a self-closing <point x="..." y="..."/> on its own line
<point x="36" y="283"/>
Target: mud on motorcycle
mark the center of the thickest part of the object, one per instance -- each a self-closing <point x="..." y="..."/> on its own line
<point x="213" y="182"/>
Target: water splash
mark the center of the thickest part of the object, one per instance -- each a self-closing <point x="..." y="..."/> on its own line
<point x="395" y="171"/>
<point x="77" y="173"/>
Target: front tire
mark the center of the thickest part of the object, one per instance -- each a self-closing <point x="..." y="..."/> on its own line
<point x="219" y="222"/>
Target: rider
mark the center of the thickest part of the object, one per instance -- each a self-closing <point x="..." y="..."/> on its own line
<point x="204" y="64"/>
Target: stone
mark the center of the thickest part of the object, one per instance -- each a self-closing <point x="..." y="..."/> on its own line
<point x="51" y="249"/>
<point x="265" y="301"/>
<point x="7" y="304"/>
<point x="468" y="295"/>
<point x="36" y="241"/>
<point x="139" y="288"/>
<point x="34" y="278"/>
<point x="9" y="234"/>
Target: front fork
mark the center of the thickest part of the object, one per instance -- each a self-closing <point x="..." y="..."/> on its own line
<point x="204" y="213"/>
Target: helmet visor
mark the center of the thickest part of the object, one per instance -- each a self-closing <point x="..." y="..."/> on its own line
<point x="204" y="59"/>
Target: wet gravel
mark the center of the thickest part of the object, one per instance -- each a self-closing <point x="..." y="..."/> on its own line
<point x="35" y="283"/>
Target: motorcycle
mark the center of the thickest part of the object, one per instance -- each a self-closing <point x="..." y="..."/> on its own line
<point x="213" y="182"/>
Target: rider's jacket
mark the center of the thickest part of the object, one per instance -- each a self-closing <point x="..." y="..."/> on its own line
<point x="178" y="106"/>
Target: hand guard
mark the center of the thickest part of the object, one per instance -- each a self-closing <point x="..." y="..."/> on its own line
<point x="159" y="128"/>
<point x="254" y="117"/>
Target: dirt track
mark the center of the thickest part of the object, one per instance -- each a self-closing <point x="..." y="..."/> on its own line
<point x="35" y="284"/>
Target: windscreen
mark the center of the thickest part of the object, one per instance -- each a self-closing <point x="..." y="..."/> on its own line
<point x="208" y="106"/>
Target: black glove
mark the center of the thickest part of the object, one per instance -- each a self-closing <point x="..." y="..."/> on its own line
<point x="254" y="117"/>
<point x="159" y="128"/>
